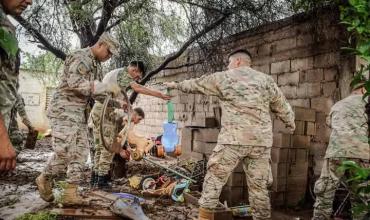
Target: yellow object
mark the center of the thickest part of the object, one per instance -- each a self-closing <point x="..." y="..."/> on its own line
<point x="135" y="181"/>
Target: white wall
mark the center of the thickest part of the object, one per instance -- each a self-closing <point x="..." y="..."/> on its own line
<point x="34" y="93"/>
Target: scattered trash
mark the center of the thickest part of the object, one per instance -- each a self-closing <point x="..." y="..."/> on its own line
<point x="179" y="189"/>
<point x="135" y="181"/>
<point x="129" y="196"/>
<point x="241" y="211"/>
<point x="129" y="208"/>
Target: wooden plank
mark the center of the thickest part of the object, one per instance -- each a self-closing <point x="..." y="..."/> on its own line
<point x="86" y="213"/>
<point x="105" y="195"/>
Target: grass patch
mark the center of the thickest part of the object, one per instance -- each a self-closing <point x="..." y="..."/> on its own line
<point x="43" y="215"/>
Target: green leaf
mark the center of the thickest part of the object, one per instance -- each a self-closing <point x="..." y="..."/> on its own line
<point x="8" y="42"/>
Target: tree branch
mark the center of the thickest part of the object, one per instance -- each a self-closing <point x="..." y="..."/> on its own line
<point x="200" y="6"/>
<point x="174" y="56"/>
<point x="116" y="22"/>
<point x="37" y="35"/>
<point x="107" y="12"/>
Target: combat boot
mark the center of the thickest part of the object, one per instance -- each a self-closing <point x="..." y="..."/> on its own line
<point x="45" y="187"/>
<point x="103" y="183"/>
<point x="70" y="196"/>
<point x="204" y="214"/>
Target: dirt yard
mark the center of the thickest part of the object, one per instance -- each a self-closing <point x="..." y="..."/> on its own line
<point x="18" y="193"/>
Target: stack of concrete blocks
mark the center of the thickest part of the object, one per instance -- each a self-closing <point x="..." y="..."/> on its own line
<point x="290" y="158"/>
<point x="196" y="142"/>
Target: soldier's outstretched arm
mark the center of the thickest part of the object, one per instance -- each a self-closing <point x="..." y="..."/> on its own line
<point x="7" y="152"/>
<point x="147" y="91"/>
<point x="280" y="106"/>
<point x="206" y="85"/>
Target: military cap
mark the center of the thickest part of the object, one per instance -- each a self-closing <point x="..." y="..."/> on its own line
<point x="111" y="42"/>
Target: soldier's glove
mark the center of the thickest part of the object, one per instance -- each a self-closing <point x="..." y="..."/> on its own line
<point x="103" y="87"/>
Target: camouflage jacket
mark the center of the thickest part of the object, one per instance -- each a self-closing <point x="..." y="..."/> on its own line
<point x="246" y="98"/>
<point x="9" y="64"/>
<point x="74" y="90"/>
<point x="119" y="76"/>
<point x="348" y="138"/>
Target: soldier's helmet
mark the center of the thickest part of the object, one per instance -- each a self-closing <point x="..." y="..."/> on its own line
<point x="112" y="43"/>
<point x="359" y="80"/>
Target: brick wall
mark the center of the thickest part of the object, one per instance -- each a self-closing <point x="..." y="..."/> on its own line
<point x="302" y="53"/>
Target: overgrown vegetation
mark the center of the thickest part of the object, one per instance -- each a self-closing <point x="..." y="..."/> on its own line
<point x="358" y="185"/>
<point x="43" y="215"/>
<point x="355" y="15"/>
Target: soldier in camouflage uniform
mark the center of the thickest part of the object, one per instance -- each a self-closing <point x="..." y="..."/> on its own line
<point x="121" y="79"/>
<point x="9" y="64"/>
<point x="246" y="98"/>
<point x="79" y="81"/>
<point x="348" y="141"/>
<point x="15" y="134"/>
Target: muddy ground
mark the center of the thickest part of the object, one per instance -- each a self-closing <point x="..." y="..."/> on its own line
<point x="18" y="193"/>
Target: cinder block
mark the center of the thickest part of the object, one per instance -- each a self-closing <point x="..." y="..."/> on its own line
<point x="199" y="107"/>
<point x="281" y="140"/>
<point x="310" y="128"/>
<point x="304" y="103"/>
<point x="289" y="169"/>
<point x="329" y="88"/>
<point x="322" y="104"/>
<point x="312" y="75"/>
<point x="301" y="141"/>
<point x="327" y="60"/>
<point x="318" y="150"/>
<point x="304" y="114"/>
<point x="280" y="155"/>
<point x="289" y="155"/>
<point x="313" y="89"/>
<point x="286" y="44"/>
<point x="186" y="138"/>
<point x="331" y="74"/>
<point x="203" y="147"/>
<point x="288" y="78"/>
<point x="302" y="64"/>
<point x="298" y="155"/>
<point x="206" y="134"/>
<point x="280" y="67"/>
<point x="263" y="68"/>
<point x="304" y="40"/>
<point x="300" y="127"/>
<point x="290" y="92"/>
<point x="199" y="119"/>
<point x="236" y="179"/>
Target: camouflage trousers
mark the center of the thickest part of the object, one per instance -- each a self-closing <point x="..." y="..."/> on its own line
<point x="256" y="164"/>
<point x="102" y="157"/>
<point x="326" y="186"/>
<point x="71" y="149"/>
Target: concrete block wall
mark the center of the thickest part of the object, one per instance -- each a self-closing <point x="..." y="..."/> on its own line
<point x="302" y="53"/>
